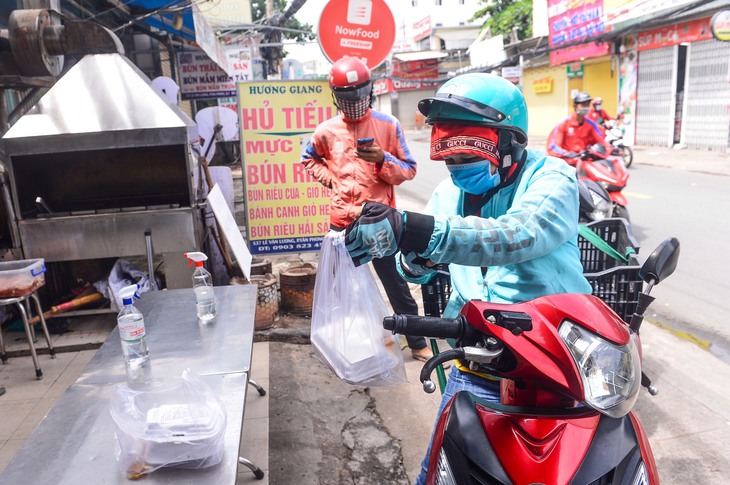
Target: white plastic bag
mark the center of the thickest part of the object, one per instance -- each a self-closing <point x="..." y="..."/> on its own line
<point x="123" y="273"/>
<point x="347" y="320"/>
<point x="178" y="423"/>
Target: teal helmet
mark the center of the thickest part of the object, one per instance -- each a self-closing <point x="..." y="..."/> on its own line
<point x="479" y="99"/>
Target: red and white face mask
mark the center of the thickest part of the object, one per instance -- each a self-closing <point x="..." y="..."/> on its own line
<point x="450" y="140"/>
<point x="471" y="155"/>
<point x="353" y="110"/>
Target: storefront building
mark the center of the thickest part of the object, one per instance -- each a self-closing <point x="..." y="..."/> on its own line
<point x="545" y="88"/>
<point x="549" y="90"/>
<point x="683" y="87"/>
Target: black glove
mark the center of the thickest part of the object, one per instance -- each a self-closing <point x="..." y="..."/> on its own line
<point x="375" y="234"/>
<point x="571" y="155"/>
<point x="381" y="230"/>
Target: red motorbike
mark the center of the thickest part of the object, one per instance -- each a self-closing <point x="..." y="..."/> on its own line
<point x="570" y="372"/>
<point x="607" y="170"/>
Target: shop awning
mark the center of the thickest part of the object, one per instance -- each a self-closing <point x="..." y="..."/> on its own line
<point x="419" y="55"/>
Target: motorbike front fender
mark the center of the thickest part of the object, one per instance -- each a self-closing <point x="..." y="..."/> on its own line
<point x="594" y="171"/>
<point x="619" y="198"/>
<point x="507" y="444"/>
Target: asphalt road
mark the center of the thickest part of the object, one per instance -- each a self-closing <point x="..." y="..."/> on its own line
<point x="692" y="207"/>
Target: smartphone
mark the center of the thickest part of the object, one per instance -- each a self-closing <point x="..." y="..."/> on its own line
<point x="365" y="142"/>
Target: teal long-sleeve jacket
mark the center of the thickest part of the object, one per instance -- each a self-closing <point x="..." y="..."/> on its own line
<point x="525" y="237"/>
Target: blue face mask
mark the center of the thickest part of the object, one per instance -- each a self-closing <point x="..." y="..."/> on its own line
<point x="474" y="178"/>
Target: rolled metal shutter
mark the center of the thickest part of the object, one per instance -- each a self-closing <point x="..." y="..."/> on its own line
<point x="655" y="97"/>
<point x="707" y="97"/>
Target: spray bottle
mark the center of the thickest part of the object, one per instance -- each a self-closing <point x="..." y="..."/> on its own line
<point x="132" y="333"/>
<point x="203" y="287"/>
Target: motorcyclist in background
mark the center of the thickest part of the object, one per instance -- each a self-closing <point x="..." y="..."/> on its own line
<point x="598" y="114"/>
<point x="573" y="135"/>
<point x="506" y="221"/>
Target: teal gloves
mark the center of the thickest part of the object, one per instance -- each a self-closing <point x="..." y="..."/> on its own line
<point x="376" y="233"/>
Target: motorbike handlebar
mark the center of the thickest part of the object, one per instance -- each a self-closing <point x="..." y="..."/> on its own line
<point x="433" y="327"/>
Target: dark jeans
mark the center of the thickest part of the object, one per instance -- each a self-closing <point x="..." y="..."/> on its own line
<point x="398" y="293"/>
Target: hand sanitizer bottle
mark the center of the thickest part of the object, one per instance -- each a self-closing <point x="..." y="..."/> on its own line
<point x="203" y="287"/>
<point x="133" y="336"/>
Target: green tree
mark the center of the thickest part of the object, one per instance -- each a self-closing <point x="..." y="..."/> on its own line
<point x="283" y="17"/>
<point x="500" y="16"/>
<point x="258" y="14"/>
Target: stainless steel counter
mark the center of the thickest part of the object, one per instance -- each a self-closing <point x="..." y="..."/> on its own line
<point x="75" y="443"/>
<point x="177" y="341"/>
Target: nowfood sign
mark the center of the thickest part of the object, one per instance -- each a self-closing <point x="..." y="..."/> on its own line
<point x="357" y="28"/>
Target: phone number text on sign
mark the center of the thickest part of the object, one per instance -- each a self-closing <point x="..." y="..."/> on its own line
<point x="286" y="245"/>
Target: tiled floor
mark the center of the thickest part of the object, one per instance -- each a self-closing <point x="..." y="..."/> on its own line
<point x="27" y="400"/>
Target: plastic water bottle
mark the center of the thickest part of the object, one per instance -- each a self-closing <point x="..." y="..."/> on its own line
<point x="203" y="287"/>
<point x="133" y="335"/>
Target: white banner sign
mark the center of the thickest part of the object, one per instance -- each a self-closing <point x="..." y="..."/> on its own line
<point x="511" y="72"/>
<point x="200" y="77"/>
<point x="207" y="39"/>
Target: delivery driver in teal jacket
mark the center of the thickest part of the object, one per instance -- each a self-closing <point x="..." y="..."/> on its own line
<point x="506" y="222"/>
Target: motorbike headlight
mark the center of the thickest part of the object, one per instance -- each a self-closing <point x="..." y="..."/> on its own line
<point x="603" y="207"/>
<point x="611" y="373"/>
<point x="444" y="475"/>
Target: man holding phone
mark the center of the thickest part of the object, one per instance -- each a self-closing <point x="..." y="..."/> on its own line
<point x="361" y="154"/>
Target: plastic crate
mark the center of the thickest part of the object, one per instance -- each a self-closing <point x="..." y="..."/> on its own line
<point x="617" y="233"/>
<point x="436" y="294"/>
<point x="22" y="277"/>
<point x="619" y="287"/>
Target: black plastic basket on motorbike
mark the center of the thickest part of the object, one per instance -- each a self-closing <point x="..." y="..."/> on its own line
<point x="618" y="287"/>
<point x="616" y="283"/>
<point x="436" y="293"/>
<point x="617" y="233"/>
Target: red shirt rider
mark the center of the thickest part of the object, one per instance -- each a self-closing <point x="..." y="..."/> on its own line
<point x="574" y="134"/>
<point x="598" y="114"/>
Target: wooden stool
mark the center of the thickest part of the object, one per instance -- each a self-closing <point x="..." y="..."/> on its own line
<point x="25" y="311"/>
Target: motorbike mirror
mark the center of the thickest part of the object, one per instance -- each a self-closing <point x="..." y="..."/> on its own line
<point x="662" y="262"/>
<point x="597" y="151"/>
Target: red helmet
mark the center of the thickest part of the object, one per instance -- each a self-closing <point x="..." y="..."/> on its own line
<point x="596" y="101"/>
<point x="350" y="78"/>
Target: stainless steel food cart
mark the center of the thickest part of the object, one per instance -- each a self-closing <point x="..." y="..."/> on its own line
<point x="76" y="440"/>
<point x="99" y="160"/>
